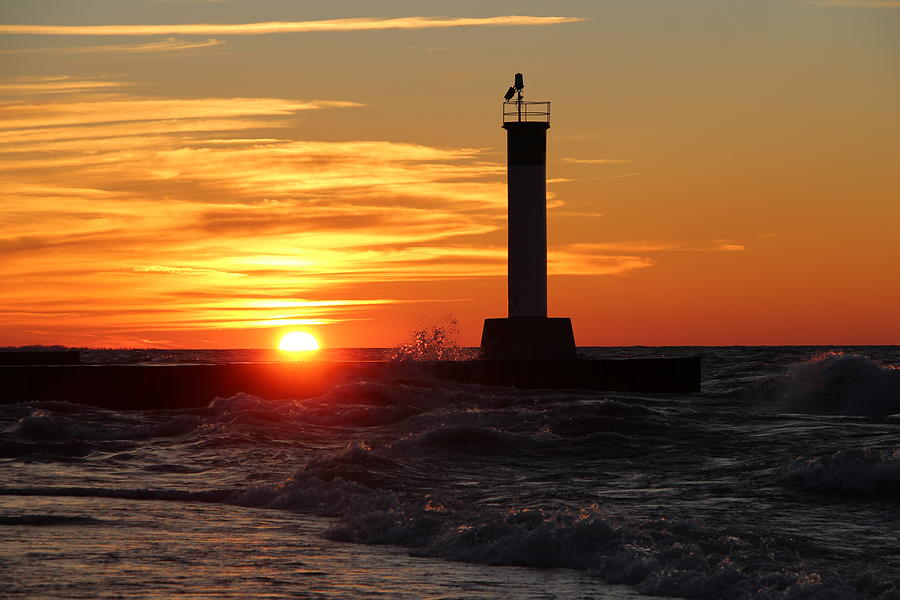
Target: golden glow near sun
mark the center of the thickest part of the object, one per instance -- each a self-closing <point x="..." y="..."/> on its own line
<point x="298" y="341"/>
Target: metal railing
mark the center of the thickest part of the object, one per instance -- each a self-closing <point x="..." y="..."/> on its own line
<point x="521" y="112"/>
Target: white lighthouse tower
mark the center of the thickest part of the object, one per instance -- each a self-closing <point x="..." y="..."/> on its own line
<point x="527" y="333"/>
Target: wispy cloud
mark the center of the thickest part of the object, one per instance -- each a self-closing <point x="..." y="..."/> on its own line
<point x="121" y="108"/>
<point x="595" y="161"/>
<point x="855" y="3"/>
<point x="167" y="45"/>
<point x="116" y="205"/>
<point x="55" y="85"/>
<point x="627" y="247"/>
<point x="582" y="259"/>
<point x="654" y="246"/>
<point x="327" y="25"/>
<point x="730" y="246"/>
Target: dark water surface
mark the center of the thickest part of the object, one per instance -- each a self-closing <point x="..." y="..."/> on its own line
<point x="780" y="480"/>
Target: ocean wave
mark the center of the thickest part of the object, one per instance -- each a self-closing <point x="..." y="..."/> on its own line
<point x="665" y="557"/>
<point x="661" y="556"/>
<point x="421" y="392"/>
<point x="857" y="470"/>
<point x="356" y="463"/>
<point x="464" y="439"/>
<point x="420" y="405"/>
<point x="590" y="424"/>
<point x="44" y="425"/>
<point x="356" y="404"/>
<point x="843" y="384"/>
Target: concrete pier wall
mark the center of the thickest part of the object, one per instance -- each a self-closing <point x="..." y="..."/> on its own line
<point x="180" y="386"/>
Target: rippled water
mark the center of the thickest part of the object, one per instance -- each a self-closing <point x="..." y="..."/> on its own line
<point x="780" y="480"/>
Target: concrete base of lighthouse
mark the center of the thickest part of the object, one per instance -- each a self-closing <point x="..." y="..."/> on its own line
<point x="528" y="338"/>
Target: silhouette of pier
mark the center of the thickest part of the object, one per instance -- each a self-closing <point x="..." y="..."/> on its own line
<point x="170" y="386"/>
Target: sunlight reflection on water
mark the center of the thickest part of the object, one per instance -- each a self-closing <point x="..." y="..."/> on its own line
<point x="122" y="549"/>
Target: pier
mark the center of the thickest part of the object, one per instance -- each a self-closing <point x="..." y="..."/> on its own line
<point x="171" y="386"/>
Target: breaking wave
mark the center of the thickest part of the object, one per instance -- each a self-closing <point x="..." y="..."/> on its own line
<point x="661" y="556"/>
<point x="843" y="384"/>
<point x="856" y="470"/>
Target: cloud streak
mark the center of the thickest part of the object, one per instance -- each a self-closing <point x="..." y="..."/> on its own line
<point x="856" y="3"/>
<point x="55" y="85"/>
<point x="595" y="161"/>
<point x="168" y="45"/>
<point x="327" y="25"/>
<point x="19" y="115"/>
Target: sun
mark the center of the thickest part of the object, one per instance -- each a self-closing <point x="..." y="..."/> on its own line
<point x="298" y="341"/>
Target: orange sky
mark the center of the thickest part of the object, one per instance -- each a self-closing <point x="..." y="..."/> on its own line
<point x="212" y="174"/>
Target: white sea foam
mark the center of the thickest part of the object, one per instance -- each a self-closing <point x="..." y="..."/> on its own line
<point x="465" y="439"/>
<point x="660" y="557"/>
<point x="663" y="556"/>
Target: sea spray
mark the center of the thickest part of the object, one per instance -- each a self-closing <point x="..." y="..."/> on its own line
<point x="435" y="341"/>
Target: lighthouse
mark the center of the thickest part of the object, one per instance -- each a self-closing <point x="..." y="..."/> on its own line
<point x="527" y="333"/>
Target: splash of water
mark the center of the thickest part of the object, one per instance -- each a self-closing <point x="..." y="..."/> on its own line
<point x="432" y="341"/>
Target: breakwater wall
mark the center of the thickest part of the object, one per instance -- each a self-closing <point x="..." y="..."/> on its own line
<point x="188" y="385"/>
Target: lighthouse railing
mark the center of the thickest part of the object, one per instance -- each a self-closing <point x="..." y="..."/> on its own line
<point x="522" y="112"/>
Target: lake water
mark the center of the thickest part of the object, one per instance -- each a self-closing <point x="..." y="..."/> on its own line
<point x="780" y="480"/>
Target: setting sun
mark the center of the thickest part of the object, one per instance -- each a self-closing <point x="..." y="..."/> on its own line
<point x="298" y="341"/>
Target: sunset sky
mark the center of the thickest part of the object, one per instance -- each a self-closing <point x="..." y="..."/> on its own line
<point x="190" y="173"/>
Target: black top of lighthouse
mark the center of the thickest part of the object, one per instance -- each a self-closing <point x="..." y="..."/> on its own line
<point x="517" y="111"/>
